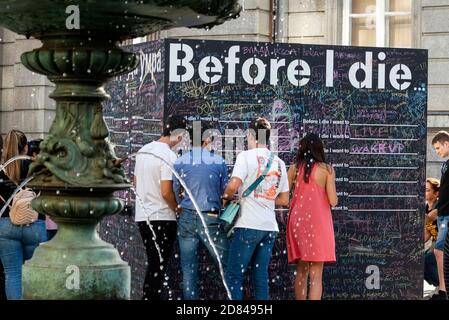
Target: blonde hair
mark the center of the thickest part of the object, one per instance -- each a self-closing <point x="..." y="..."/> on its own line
<point x="435" y="183"/>
<point x="15" y="143"/>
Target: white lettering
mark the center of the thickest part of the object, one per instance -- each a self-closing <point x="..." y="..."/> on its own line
<point x="329" y="68"/>
<point x="367" y="68"/>
<point x="275" y="64"/>
<point x="232" y="60"/>
<point x="381" y="73"/>
<point x="216" y="67"/>
<point x="400" y="72"/>
<point x="211" y="69"/>
<point x="72" y="21"/>
<point x="260" y="71"/>
<point x="304" y="73"/>
<point x="175" y="62"/>
<point x="373" y="280"/>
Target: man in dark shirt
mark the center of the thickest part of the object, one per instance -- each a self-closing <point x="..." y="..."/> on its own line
<point x="441" y="144"/>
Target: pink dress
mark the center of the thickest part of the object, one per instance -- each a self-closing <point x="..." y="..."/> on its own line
<point x="310" y="229"/>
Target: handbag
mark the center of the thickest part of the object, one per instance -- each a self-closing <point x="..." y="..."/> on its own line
<point x="21" y="212"/>
<point x="231" y="213"/>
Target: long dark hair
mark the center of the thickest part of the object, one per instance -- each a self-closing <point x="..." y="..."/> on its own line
<point x="311" y="151"/>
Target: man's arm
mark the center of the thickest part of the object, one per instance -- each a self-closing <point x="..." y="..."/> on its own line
<point x="283" y="199"/>
<point x="285" y="183"/>
<point x="168" y="195"/>
<point x="232" y="187"/>
<point x="239" y="174"/>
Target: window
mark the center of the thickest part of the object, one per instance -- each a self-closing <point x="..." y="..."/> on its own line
<point x="381" y="23"/>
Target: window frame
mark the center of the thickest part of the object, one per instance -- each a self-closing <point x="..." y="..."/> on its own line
<point x="380" y="15"/>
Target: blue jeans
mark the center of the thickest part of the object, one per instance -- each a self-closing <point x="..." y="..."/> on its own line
<point x="17" y="244"/>
<point x="190" y="233"/>
<point x="443" y="223"/>
<point x="249" y="246"/>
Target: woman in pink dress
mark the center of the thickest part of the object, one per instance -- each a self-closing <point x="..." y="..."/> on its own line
<point x="310" y="230"/>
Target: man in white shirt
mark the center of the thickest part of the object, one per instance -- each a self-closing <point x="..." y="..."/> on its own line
<point x="156" y="203"/>
<point x="255" y="231"/>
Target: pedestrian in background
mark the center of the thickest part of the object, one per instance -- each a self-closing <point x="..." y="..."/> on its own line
<point x="441" y="212"/>
<point x="431" y="233"/>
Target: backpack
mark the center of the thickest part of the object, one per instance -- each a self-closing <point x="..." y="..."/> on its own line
<point x="21" y="212"/>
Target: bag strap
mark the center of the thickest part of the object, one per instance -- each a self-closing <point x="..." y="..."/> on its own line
<point x="254" y="185"/>
<point x="11" y="198"/>
<point x="6" y="205"/>
<point x="1" y="198"/>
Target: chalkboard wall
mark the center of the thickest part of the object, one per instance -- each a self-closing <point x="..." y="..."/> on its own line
<point x="367" y="104"/>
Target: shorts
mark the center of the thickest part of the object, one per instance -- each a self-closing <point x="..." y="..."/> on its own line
<point x="443" y="222"/>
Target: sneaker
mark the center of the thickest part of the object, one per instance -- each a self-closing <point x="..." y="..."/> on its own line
<point x="441" y="295"/>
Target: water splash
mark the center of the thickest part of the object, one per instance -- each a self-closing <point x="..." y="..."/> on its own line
<point x="198" y="211"/>
<point x="3" y="167"/>
<point x="8" y="162"/>
<point x="149" y="224"/>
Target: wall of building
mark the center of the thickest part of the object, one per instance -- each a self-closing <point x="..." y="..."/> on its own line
<point x="24" y="101"/>
<point x="254" y="24"/>
<point x="434" y="36"/>
<point x="307" y="22"/>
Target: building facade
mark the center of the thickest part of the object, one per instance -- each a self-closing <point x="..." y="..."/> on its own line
<point x="25" y="105"/>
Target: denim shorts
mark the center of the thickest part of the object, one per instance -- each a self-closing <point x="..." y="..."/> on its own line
<point x="443" y="222"/>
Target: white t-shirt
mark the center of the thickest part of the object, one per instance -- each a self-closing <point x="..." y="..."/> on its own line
<point x="257" y="209"/>
<point x="149" y="172"/>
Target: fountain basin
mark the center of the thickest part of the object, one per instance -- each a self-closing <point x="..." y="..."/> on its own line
<point x="114" y="19"/>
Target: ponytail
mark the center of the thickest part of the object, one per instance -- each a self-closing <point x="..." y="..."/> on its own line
<point x="1" y="149"/>
<point x="15" y="143"/>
